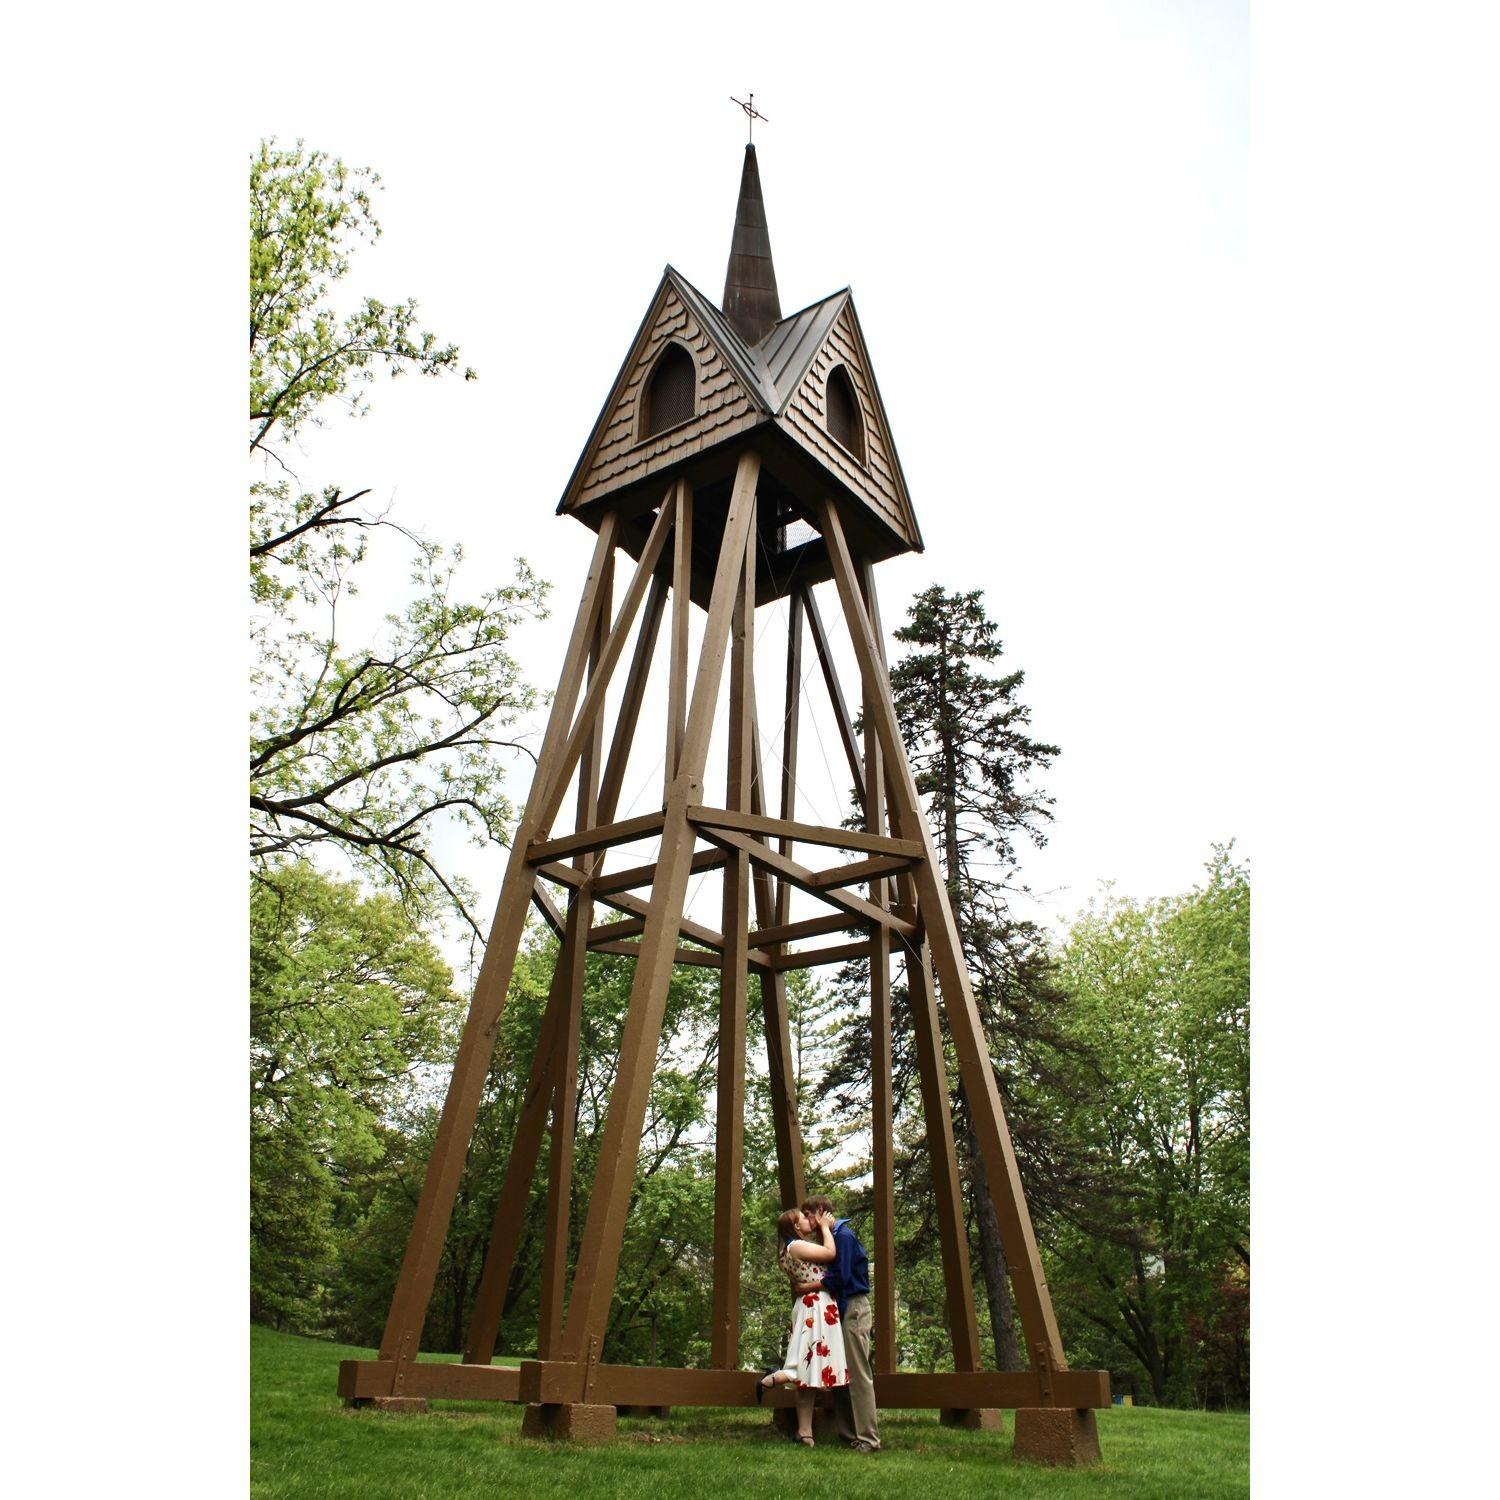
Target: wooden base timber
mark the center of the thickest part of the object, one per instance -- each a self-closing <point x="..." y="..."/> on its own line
<point x="1057" y="1435"/>
<point x="559" y="1382"/>
<point x="569" y="1422"/>
<point x="976" y="1418"/>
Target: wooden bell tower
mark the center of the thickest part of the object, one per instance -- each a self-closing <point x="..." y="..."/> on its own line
<point x="741" y="457"/>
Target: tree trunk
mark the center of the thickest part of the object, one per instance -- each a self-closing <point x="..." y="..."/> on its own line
<point x="992" y="1261"/>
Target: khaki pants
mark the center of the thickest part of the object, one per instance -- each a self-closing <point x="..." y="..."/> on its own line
<point x="854" y="1404"/>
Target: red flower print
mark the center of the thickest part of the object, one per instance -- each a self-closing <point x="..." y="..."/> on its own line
<point x="809" y="1322"/>
<point x="829" y="1378"/>
<point x="810" y="1300"/>
<point x="823" y="1350"/>
<point x="830" y="1314"/>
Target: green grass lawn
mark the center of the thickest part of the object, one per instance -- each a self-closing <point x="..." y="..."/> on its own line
<point x="305" y="1443"/>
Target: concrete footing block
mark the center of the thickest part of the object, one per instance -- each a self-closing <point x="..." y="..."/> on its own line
<point x="1057" y="1435"/>
<point x="569" y="1422"/>
<point x="404" y="1406"/>
<point x="976" y="1419"/>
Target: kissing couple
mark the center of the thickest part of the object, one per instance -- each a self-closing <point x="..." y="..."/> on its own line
<point x="828" y="1347"/>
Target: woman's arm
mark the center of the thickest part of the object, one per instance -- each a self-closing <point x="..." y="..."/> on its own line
<point x="820" y="1254"/>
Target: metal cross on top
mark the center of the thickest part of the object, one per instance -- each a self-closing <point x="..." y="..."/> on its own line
<point x="751" y="113"/>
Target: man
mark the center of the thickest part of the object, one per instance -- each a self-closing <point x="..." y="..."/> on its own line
<point x="847" y="1279"/>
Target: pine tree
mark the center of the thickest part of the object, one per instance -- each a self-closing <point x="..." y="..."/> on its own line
<point x="977" y="767"/>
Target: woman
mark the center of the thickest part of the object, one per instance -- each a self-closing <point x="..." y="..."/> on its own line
<point x="815" y="1349"/>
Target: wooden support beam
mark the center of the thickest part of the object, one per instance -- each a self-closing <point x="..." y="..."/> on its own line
<point x="593" y="702"/>
<point x="424" y="1247"/>
<point x="697" y="958"/>
<point x="639" y="875"/>
<point x="806" y="880"/>
<point x="882" y="1108"/>
<point x="544" y="903"/>
<point x="794" y="932"/>
<point x="612" y="932"/>
<point x="559" y="1382"/>
<point x="847" y="737"/>
<point x="630" y="700"/>
<point x="839" y="953"/>
<point x="942" y="1156"/>
<point x="591" y="840"/>
<point x="682" y="610"/>
<point x="619" y="1149"/>
<point x="729" y="1118"/>
<point x="770" y="908"/>
<point x="553" y="1295"/>
<point x="789" y="831"/>
<point x="1033" y="1300"/>
<point x="638" y="906"/>
<point x="520" y="1173"/>
<point x="860" y="870"/>
<point x="646" y="1385"/>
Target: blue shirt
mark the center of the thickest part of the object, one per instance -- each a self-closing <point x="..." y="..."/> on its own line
<point x="848" y="1273"/>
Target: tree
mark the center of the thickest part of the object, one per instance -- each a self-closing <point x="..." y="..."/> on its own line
<point x="347" y="1002"/>
<point x="363" y="749"/>
<point x="1161" y="997"/>
<point x="976" y="765"/>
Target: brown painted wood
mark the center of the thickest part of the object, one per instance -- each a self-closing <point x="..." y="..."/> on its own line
<point x="590" y="840"/>
<point x="1033" y="1299"/>
<point x="553" y="1294"/>
<point x="562" y="1381"/>
<point x="806" y="880"/>
<point x="631" y="698"/>
<point x="813" y="958"/>
<point x="424" y="1246"/>
<point x="638" y="875"/>
<point x="599" y="1254"/>
<point x="859" y="871"/>
<point x="942" y="1155"/>
<point x="682" y="609"/>
<point x="548" y="908"/>
<point x="847" y="737"/>
<point x="785" y="1124"/>
<point x="638" y="906"/>
<point x="593" y="701"/>
<point x="729" y="1122"/>
<point x="794" y="932"/>
<point x="790" y="831"/>
<point x="694" y="957"/>
<point x="882" y="1109"/>
<point x="613" y="932"/>
<point x="520" y="1173"/>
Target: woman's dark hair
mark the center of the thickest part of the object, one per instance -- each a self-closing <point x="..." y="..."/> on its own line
<point x="786" y="1228"/>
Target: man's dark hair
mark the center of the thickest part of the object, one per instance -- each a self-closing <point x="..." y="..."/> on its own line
<point x="818" y="1204"/>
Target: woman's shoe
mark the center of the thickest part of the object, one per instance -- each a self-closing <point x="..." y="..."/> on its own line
<point x="806" y="1440"/>
<point x="766" y="1381"/>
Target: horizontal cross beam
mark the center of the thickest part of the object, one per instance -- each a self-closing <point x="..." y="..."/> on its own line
<point x="554" y="1381"/>
<point x="807" y="880"/>
<point x="803" y="833"/>
<point x="838" y="953"/>
<point x="590" y="839"/>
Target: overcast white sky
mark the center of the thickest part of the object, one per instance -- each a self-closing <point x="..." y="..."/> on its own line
<point x="1042" y="213"/>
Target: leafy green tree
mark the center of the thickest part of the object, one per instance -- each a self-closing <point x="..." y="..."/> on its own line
<point x="1161" y="996"/>
<point x="359" y="748"/>
<point x="347" y="1003"/>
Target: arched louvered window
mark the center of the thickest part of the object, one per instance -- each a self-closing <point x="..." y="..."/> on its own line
<point x="845" y="425"/>
<point x="669" y="392"/>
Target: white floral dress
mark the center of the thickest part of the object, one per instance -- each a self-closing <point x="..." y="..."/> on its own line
<point x="815" y="1348"/>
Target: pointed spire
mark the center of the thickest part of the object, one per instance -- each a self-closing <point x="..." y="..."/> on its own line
<point x="750" y="300"/>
